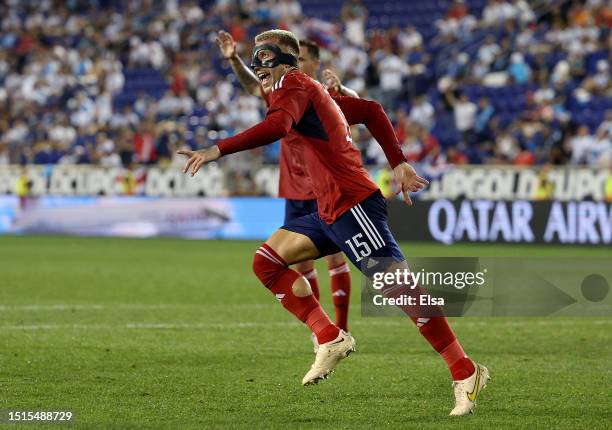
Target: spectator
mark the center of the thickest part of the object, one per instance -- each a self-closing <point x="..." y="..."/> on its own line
<point x="410" y="39"/>
<point x="392" y="70"/>
<point x="464" y="112"/>
<point x="422" y="112"/>
<point x="69" y="75"/>
<point x="354" y="15"/>
<point x="581" y="145"/>
<point x="519" y="70"/>
<point x="483" y="117"/>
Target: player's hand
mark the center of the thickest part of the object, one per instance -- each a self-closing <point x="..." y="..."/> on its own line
<point x="331" y="79"/>
<point x="408" y="181"/>
<point x="196" y="159"/>
<point x="226" y="43"/>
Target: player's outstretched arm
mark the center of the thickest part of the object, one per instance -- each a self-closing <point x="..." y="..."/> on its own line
<point x="408" y="181"/>
<point x="331" y="79"/>
<point x="196" y="159"/>
<point x="373" y="116"/>
<point x="245" y="75"/>
<point x="276" y="126"/>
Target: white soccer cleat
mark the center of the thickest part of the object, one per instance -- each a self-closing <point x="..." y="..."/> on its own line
<point x="315" y="342"/>
<point x="328" y="356"/>
<point x="467" y="390"/>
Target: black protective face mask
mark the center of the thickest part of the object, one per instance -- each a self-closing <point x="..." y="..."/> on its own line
<point x="279" y="57"/>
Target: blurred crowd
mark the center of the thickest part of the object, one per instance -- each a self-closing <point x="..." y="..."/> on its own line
<point x="124" y="83"/>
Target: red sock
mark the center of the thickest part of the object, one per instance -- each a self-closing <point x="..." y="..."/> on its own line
<point x="312" y="280"/>
<point x="274" y="273"/>
<point x="436" y="330"/>
<point x="341" y="293"/>
<point x="442" y="338"/>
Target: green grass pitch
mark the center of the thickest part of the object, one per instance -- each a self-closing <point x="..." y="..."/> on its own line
<point x="165" y="333"/>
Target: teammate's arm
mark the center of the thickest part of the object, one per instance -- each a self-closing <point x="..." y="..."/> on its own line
<point x="276" y="126"/>
<point x="333" y="82"/>
<point x="245" y="75"/>
<point x="372" y="115"/>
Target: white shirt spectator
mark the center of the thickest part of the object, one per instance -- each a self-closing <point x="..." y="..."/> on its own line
<point x="104" y="107"/>
<point x="581" y="145"/>
<point x="465" y="115"/>
<point x="84" y="111"/>
<point x="247" y="113"/>
<point x="422" y="113"/>
<point x="115" y="80"/>
<point x="63" y="133"/>
<point x="193" y="13"/>
<point x="523" y="11"/>
<point x="392" y="70"/>
<point x="124" y="120"/>
<point x="507" y="146"/>
<point x="488" y="51"/>
<point x="186" y="104"/>
<point x="169" y="104"/>
<point x="354" y="59"/>
<point x="375" y="152"/>
<point x="410" y="39"/>
<point x="289" y="9"/>
<point x="17" y="133"/>
<point x="110" y="160"/>
<point x="498" y="11"/>
<point x="600" y="151"/>
<point x="543" y="94"/>
<point x="355" y="31"/>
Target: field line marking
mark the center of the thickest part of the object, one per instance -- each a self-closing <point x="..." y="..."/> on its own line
<point x="129" y="306"/>
<point x="193" y="326"/>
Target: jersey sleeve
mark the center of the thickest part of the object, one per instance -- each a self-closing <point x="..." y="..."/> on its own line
<point x="372" y="115"/>
<point x="289" y="95"/>
<point x="274" y="127"/>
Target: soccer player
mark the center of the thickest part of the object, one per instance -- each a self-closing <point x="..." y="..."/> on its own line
<point x="351" y="213"/>
<point x="294" y="186"/>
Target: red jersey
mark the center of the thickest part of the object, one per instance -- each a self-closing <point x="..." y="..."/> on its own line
<point x="294" y="183"/>
<point x="329" y="158"/>
<point x="320" y="144"/>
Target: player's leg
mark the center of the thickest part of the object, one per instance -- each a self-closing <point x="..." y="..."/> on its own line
<point x="271" y="265"/>
<point x="363" y="233"/>
<point x="300" y="240"/>
<point x="296" y="209"/>
<point x="340" y="279"/>
<point x="308" y="271"/>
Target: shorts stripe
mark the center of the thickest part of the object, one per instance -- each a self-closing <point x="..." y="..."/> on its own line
<point x="365" y="229"/>
<point x="368" y="220"/>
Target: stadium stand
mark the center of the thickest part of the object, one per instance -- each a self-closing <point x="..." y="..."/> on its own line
<point x="118" y="83"/>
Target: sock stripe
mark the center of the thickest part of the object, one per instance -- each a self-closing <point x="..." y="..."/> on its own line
<point x="420" y="322"/>
<point x="311" y="274"/>
<point x="264" y="252"/>
<point x="343" y="268"/>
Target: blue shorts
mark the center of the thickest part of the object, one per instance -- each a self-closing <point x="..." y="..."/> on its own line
<point x="299" y="208"/>
<point x="361" y="233"/>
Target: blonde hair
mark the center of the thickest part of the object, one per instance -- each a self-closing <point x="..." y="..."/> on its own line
<point x="284" y="37"/>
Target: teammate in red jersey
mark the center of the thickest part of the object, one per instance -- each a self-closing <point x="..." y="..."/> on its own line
<point x="351" y="211"/>
<point x="294" y="185"/>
